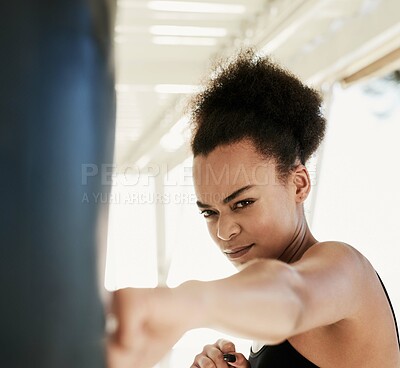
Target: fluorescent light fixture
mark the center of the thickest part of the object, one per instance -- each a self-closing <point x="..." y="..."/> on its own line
<point x="184" y="41"/>
<point x="196" y="7"/>
<point x="162" y="30"/>
<point x="176" y="88"/>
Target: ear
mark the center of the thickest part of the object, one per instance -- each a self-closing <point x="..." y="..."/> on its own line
<point x="302" y="182"/>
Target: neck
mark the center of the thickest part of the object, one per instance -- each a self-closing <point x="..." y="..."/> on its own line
<point x="302" y="240"/>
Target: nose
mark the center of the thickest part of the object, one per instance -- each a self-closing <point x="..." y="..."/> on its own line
<point x="227" y="228"/>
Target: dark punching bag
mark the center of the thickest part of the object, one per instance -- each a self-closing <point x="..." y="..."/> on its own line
<point x="57" y="109"/>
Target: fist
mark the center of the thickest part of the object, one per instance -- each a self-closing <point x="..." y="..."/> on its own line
<point x="222" y="354"/>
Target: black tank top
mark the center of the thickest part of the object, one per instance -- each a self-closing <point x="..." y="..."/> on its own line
<point x="284" y="355"/>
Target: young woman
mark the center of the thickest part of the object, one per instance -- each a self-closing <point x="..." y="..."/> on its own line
<point x="304" y="302"/>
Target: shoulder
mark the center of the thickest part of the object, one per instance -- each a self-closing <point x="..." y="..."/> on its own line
<point x="335" y="264"/>
<point x="335" y="281"/>
<point x="337" y="253"/>
<point x="333" y="246"/>
<point x="338" y="285"/>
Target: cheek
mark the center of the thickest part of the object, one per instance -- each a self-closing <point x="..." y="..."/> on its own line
<point x="261" y="227"/>
<point x="273" y="228"/>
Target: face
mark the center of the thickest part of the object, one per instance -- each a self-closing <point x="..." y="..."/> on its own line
<point x="249" y="213"/>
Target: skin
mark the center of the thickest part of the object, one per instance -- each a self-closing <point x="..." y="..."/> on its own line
<point x="289" y="286"/>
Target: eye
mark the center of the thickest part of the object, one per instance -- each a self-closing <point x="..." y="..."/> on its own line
<point x="207" y="213"/>
<point x="244" y="203"/>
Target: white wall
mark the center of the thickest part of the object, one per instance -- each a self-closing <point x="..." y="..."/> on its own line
<point x="358" y="186"/>
<point x="131" y="251"/>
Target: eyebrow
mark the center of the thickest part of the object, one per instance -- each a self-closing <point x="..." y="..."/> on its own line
<point x="229" y="198"/>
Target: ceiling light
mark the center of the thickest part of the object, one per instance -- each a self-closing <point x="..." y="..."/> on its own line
<point x="196" y="7"/>
<point x="161" y="30"/>
<point x="184" y="41"/>
<point x="176" y="88"/>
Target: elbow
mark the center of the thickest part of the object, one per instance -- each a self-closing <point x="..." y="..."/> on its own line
<point x="294" y="301"/>
<point x="295" y="314"/>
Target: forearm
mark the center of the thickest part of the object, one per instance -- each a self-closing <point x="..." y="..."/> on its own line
<point x="261" y="302"/>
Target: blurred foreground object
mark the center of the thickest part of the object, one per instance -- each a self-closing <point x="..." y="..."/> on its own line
<point x="57" y="110"/>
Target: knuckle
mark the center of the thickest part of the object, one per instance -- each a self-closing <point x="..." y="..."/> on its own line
<point x="207" y="363"/>
<point x="229" y="347"/>
<point x="202" y="361"/>
<point x="226" y="345"/>
<point x="207" y="348"/>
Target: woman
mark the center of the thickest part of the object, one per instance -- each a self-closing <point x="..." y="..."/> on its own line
<point x="305" y="303"/>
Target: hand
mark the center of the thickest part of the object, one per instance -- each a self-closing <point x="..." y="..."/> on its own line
<point x="212" y="356"/>
<point x="148" y="325"/>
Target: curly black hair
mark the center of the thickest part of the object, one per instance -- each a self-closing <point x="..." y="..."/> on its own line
<point x="253" y="98"/>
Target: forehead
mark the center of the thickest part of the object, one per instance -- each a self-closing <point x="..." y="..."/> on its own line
<point x="229" y="167"/>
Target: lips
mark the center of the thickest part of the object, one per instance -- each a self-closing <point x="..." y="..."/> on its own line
<point x="238" y="252"/>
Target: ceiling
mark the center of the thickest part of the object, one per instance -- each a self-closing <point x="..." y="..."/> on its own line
<point x="164" y="48"/>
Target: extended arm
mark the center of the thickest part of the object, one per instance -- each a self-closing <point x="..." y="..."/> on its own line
<point x="267" y="301"/>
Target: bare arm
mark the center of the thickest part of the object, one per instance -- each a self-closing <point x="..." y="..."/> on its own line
<point x="268" y="301"/>
<point x="271" y="301"/>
